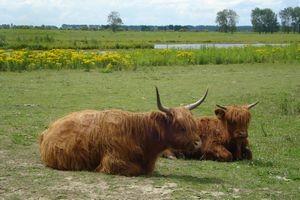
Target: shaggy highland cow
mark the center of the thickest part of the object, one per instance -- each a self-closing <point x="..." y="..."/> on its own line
<point x="116" y="141"/>
<point x="224" y="137"/>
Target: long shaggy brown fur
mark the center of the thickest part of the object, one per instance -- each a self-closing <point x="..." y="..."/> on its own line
<point x="224" y="137"/>
<point x="115" y="141"/>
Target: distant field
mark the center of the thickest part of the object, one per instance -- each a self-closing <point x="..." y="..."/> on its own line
<point x="29" y="101"/>
<point x="48" y="39"/>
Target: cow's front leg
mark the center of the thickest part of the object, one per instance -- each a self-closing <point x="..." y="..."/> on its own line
<point x="168" y="153"/>
<point x="114" y="165"/>
<point x="237" y="154"/>
<point x="219" y="153"/>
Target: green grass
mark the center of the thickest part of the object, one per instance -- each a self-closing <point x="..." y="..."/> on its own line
<point x="70" y="39"/>
<point x="29" y="101"/>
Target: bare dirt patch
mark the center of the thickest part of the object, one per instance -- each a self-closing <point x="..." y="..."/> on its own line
<point x="24" y="176"/>
<point x="145" y="190"/>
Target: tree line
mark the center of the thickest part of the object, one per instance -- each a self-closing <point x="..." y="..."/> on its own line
<point x="181" y="28"/>
<point x="263" y="20"/>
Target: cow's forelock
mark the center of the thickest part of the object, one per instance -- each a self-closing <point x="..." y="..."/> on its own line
<point x="238" y="114"/>
<point x="183" y="118"/>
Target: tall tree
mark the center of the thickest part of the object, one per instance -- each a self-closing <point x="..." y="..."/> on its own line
<point x="286" y="16"/>
<point x="296" y="19"/>
<point x="227" y="20"/>
<point x="114" y="20"/>
<point x="264" y="20"/>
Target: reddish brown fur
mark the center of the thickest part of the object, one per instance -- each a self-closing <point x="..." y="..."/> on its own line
<point x="224" y="138"/>
<point x="115" y="141"/>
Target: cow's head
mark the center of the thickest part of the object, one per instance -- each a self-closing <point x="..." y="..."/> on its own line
<point x="236" y="118"/>
<point x="179" y="125"/>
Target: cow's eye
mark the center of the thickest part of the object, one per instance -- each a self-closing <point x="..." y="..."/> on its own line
<point x="182" y="129"/>
<point x="232" y="123"/>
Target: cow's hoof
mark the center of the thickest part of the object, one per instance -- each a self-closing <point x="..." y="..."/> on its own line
<point x="172" y="157"/>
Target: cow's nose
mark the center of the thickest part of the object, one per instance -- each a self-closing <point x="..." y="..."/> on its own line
<point x="197" y="144"/>
<point x="243" y="134"/>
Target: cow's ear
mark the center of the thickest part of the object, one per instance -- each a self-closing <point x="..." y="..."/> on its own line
<point x="220" y="113"/>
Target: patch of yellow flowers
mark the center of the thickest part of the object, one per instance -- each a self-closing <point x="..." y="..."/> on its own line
<point x="62" y="59"/>
<point x="18" y="60"/>
<point x="189" y="56"/>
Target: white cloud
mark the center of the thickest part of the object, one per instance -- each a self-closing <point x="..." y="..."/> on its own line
<point x="161" y="12"/>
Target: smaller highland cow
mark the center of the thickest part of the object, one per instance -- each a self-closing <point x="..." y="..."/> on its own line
<point x="224" y="137"/>
<point x="116" y="141"/>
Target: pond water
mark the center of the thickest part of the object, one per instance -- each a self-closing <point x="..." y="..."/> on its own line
<point x="205" y="45"/>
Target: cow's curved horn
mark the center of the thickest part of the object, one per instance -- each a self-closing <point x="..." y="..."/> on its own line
<point x="222" y="107"/>
<point x="252" y="105"/>
<point x="159" y="105"/>
<point x="196" y="104"/>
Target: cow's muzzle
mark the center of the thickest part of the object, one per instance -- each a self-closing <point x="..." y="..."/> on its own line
<point x="243" y="134"/>
<point x="197" y="144"/>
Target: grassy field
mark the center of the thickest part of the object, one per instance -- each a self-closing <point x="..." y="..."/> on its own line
<point x="49" y="39"/>
<point x="29" y="101"/>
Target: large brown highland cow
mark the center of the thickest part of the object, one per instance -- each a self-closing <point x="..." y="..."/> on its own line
<point x="224" y="137"/>
<point x="116" y="141"/>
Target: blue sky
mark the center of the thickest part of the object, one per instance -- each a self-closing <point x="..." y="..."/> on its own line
<point x="133" y="12"/>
